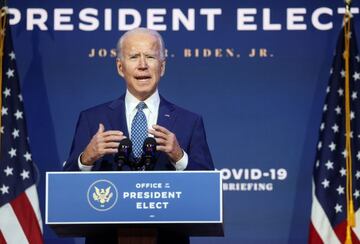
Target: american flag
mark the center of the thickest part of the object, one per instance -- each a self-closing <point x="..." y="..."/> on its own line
<point x="20" y="219"/>
<point x="329" y="207"/>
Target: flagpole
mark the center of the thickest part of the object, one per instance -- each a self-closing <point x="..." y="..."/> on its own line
<point x="2" y="39"/>
<point x="350" y="204"/>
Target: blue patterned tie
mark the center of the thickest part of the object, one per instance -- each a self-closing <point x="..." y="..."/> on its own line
<point x="139" y="130"/>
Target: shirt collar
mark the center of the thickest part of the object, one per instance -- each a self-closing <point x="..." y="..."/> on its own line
<point x="151" y="102"/>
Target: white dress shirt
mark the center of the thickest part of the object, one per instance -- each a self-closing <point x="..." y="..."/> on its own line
<point x="151" y="112"/>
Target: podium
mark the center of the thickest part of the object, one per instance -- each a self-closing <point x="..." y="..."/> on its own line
<point x="137" y="205"/>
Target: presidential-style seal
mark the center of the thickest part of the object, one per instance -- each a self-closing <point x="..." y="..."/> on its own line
<point x="102" y="195"/>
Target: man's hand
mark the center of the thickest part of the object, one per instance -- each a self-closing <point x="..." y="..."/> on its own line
<point x="167" y="142"/>
<point x="102" y="143"/>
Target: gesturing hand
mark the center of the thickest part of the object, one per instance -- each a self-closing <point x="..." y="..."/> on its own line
<point x="167" y="142"/>
<point x="102" y="143"/>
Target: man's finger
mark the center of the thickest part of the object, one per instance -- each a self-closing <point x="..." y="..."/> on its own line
<point x="101" y="128"/>
<point x="160" y="141"/>
<point x="113" y="138"/>
<point x="109" y="150"/>
<point x="157" y="134"/>
<point x="112" y="132"/>
<point x="162" y="129"/>
<point x="113" y="145"/>
<point x="161" y="148"/>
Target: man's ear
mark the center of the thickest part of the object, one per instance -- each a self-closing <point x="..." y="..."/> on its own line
<point x="163" y="65"/>
<point x="119" y="67"/>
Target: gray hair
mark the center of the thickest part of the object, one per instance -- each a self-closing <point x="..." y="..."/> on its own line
<point x="144" y="31"/>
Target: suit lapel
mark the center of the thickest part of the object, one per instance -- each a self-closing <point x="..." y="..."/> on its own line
<point x="117" y="116"/>
<point x="166" y="116"/>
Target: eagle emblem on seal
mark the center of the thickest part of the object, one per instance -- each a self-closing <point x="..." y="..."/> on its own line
<point x="102" y="195"/>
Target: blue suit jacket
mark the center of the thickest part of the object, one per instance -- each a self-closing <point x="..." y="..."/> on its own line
<point x="187" y="126"/>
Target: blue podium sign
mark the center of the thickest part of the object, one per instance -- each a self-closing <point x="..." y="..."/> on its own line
<point x="154" y="197"/>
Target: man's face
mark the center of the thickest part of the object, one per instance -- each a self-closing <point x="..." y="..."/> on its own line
<point x="141" y="65"/>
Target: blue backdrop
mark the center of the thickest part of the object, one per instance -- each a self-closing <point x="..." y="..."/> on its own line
<point x="262" y="112"/>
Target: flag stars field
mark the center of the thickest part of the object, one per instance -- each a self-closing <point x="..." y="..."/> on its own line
<point x="325" y="108"/>
<point x="8" y="171"/>
<point x="344" y="153"/>
<point x="4" y="111"/>
<point x="341" y="92"/>
<point x="354" y="95"/>
<point x="352" y="115"/>
<point x="329" y="165"/>
<point x="335" y="128"/>
<point x="12" y="152"/>
<point x="18" y="114"/>
<point x="12" y="55"/>
<point x="27" y="156"/>
<point x="15" y="133"/>
<point x="340" y="190"/>
<point x="338" y="110"/>
<point x="4" y="189"/>
<point x="356" y="76"/>
<point x="325" y="183"/>
<point x="342" y="172"/>
<point x="10" y="73"/>
<point x="332" y="146"/>
<point x="342" y="73"/>
<point x="357" y="175"/>
<point x="25" y="174"/>
<point x="356" y="194"/>
<point x="322" y="126"/>
<point x="7" y="92"/>
<point x="319" y="145"/>
<point x="338" y="208"/>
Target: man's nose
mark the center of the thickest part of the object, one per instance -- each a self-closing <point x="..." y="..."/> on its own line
<point x="142" y="63"/>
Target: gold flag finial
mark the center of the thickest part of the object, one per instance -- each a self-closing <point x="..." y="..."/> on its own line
<point x="347" y="7"/>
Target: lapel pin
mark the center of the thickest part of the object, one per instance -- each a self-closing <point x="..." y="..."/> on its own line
<point x="167" y="115"/>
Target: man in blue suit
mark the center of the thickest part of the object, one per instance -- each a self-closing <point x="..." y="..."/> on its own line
<point x="140" y="112"/>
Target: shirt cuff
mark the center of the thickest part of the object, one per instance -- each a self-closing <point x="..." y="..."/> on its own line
<point x="182" y="163"/>
<point x="83" y="167"/>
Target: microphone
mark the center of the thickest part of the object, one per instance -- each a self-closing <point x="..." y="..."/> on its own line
<point x="149" y="149"/>
<point x="123" y="154"/>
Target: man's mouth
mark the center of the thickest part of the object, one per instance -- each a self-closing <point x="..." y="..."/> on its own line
<point x="142" y="77"/>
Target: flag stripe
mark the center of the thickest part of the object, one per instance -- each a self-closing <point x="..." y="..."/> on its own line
<point x="20" y="219"/>
<point x="2" y="239"/>
<point x="354" y="237"/>
<point x="357" y="227"/>
<point x="314" y="237"/>
<point x="321" y="222"/>
<point x="27" y="218"/>
<point x="34" y="200"/>
<point x="340" y="231"/>
<point x="10" y="226"/>
<point x="330" y="195"/>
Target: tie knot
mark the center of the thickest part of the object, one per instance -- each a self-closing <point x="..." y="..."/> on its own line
<point x="141" y="106"/>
